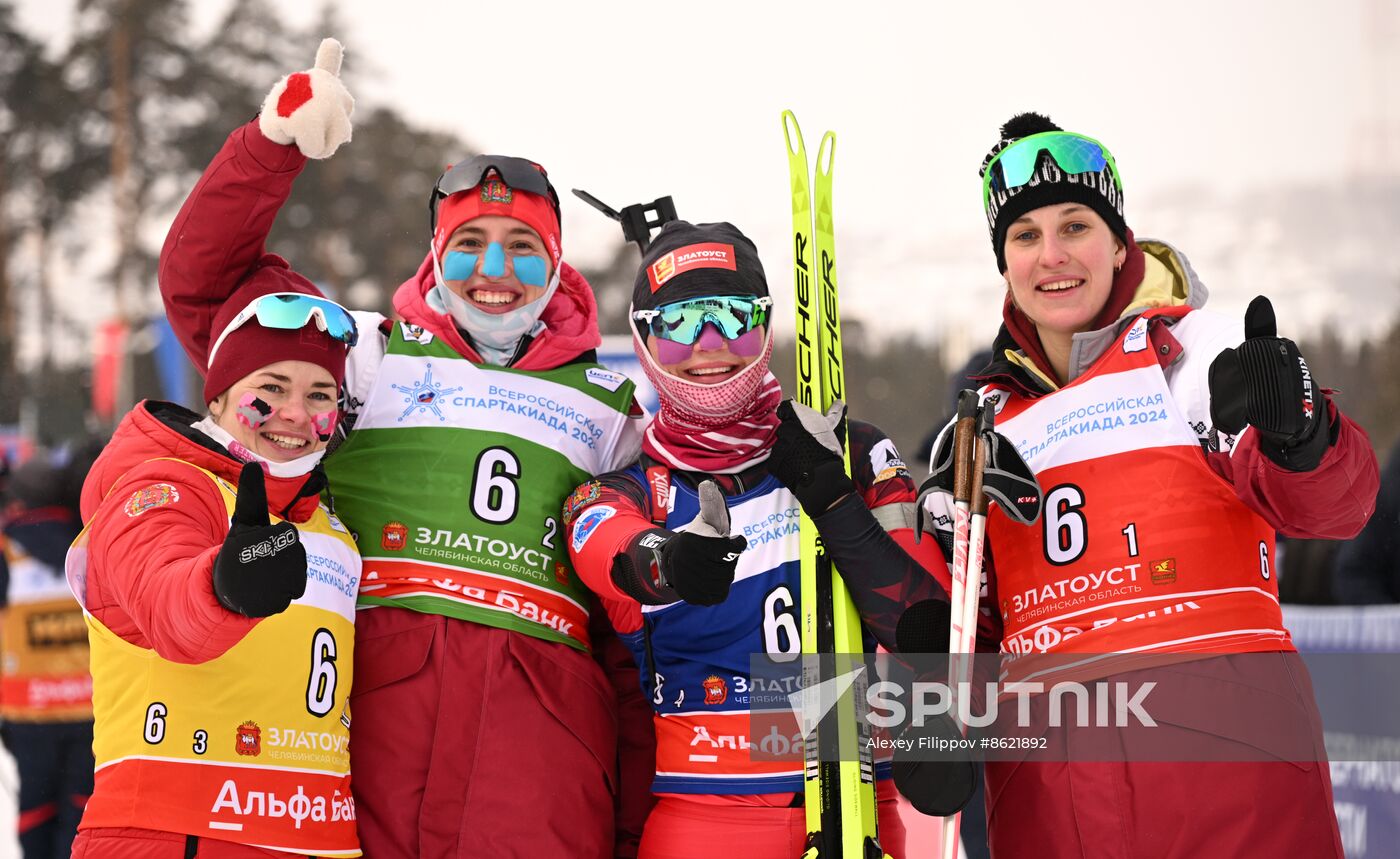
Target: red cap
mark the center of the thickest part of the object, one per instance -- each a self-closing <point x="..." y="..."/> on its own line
<point x="250" y="347"/>
<point x="494" y="197"/>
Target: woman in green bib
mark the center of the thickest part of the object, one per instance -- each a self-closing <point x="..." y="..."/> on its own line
<point x="464" y="428"/>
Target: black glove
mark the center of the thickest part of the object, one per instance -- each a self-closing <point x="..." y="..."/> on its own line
<point x="262" y="567"/>
<point x="940" y="786"/>
<point x="924" y="627"/>
<point x="701" y="569"/>
<point x="807" y="456"/>
<point x="935" y="786"/>
<point x="695" y="563"/>
<point x="1265" y="383"/>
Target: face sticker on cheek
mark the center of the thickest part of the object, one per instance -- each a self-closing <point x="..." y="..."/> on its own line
<point x="252" y="412"/>
<point x="748" y="344"/>
<point x="530" y="270"/>
<point x="324" y="425"/>
<point x="671" y="352"/>
<point x="458" y="266"/>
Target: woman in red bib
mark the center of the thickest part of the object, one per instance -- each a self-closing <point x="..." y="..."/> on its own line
<point x="219" y="594"/>
<point x="1170" y="444"/>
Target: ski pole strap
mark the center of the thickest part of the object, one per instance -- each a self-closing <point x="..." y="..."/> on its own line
<point x="982" y="439"/>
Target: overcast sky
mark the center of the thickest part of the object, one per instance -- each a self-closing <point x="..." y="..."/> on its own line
<point x="632" y="101"/>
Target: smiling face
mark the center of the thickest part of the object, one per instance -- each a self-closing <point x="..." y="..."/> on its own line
<point x="501" y="263"/>
<point x="1060" y="263"/>
<point x="710" y="359"/>
<point x="280" y="412"/>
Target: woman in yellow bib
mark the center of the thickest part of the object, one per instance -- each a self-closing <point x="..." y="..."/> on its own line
<point x="219" y="594"/>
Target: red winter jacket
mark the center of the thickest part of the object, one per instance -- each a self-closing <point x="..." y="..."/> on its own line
<point x="1333" y="501"/>
<point x="150" y="568"/>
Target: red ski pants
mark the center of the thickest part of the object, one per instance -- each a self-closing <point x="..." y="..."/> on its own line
<point x="472" y="741"/>
<point x="684" y="828"/>
<point x="1265" y="792"/>
<point x="112" y="843"/>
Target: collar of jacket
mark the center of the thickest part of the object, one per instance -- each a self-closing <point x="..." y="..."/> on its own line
<point x="1167" y="280"/>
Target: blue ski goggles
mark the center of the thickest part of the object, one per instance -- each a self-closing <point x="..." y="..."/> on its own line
<point x="1014" y="166"/>
<point x="292" y="311"/>
<point x="519" y="173"/>
<point x="682" y="321"/>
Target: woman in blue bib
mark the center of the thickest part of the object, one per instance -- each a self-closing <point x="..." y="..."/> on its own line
<point x="693" y="549"/>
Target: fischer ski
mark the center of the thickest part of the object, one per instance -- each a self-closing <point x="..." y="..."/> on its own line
<point x="838" y="769"/>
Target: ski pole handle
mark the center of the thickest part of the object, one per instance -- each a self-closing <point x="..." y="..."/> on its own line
<point x="964" y="432"/>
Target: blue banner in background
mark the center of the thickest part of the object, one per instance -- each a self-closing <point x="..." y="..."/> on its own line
<point x="1366" y="793"/>
<point x="172" y="367"/>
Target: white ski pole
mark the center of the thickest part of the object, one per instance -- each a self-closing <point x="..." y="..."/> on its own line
<point x="965" y="609"/>
<point x="964" y="438"/>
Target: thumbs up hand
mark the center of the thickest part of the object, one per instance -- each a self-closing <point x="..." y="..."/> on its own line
<point x="1265" y="383"/>
<point x="311" y="108"/>
<point x="262" y="567"/>
<point x="699" y="559"/>
<point x="713" y="520"/>
<point x="807" y="455"/>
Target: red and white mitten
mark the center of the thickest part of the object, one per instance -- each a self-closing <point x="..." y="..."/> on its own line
<point x="311" y="108"/>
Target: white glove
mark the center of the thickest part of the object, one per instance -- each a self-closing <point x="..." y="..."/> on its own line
<point x="311" y="108"/>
